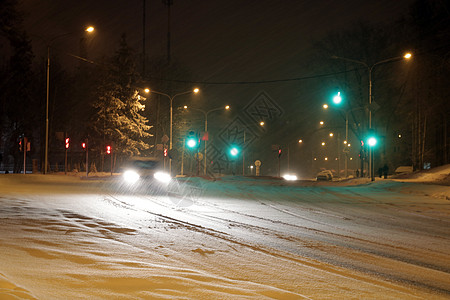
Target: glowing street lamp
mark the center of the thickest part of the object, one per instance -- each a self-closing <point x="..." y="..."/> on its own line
<point x="206" y="113"/>
<point x="171" y="98"/>
<point x="370" y="68"/>
<point x="89" y="29"/>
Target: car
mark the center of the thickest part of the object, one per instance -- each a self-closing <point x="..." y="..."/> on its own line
<point x="325" y="175"/>
<point x="138" y="170"/>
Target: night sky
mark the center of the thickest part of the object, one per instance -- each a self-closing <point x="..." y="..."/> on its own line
<point x="230" y="47"/>
<point x="217" y="40"/>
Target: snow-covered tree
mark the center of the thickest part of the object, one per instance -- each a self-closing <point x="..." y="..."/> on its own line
<point x="118" y="117"/>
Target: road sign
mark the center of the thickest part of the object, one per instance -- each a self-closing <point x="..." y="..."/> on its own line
<point x="165" y="139"/>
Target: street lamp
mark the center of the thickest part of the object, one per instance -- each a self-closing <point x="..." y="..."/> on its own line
<point x="171" y="98"/>
<point x="262" y="124"/>
<point x="369" y="70"/>
<point x="300" y="141"/>
<point x="89" y="29"/>
<point x="206" y="113"/>
<point x="346" y="136"/>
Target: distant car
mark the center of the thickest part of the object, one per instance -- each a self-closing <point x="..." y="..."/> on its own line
<point x="324" y="176"/>
<point x="144" y="169"/>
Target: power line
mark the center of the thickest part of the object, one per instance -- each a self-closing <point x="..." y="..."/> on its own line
<point x="254" y="82"/>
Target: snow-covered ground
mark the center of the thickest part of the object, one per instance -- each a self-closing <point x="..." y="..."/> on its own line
<point x="62" y="237"/>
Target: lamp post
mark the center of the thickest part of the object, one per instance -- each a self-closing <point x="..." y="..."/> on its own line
<point x="171" y="98"/>
<point x="206" y="113"/>
<point x="369" y="70"/>
<point x="89" y="30"/>
<point x="262" y="124"/>
<point x="325" y="106"/>
<point x="300" y="141"/>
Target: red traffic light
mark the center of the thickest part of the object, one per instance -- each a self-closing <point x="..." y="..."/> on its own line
<point x="108" y="149"/>
<point x="165" y="152"/>
<point x="83" y="145"/>
<point x="279" y="152"/>
<point x="67" y="143"/>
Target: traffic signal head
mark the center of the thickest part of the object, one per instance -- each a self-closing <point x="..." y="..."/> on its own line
<point x="192" y="140"/>
<point x="337" y="99"/>
<point x="279" y="152"/>
<point x="165" y="152"/>
<point x="67" y="143"/>
<point x="83" y="145"/>
<point x="108" y="149"/>
<point x="372" y="139"/>
<point x="234" y="151"/>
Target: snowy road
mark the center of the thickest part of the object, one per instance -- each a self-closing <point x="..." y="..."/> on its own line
<point x="236" y="238"/>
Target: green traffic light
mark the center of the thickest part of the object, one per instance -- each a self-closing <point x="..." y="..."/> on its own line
<point x="191" y="143"/>
<point x="337" y="99"/>
<point x="372" y="141"/>
<point x="234" y="151"/>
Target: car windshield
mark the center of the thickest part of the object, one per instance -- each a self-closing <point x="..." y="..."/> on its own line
<point x="144" y="164"/>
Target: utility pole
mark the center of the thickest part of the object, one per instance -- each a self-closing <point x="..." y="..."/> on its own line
<point x="143" y="39"/>
<point x="168" y="3"/>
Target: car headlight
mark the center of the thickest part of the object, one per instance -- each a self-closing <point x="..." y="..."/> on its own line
<point x="162" y="177"/>
<point x="290" y="177"/>
<point x="131" y="176"/>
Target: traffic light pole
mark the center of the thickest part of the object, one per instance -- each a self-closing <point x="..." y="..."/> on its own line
<point x="87" y="158"/>
<point x="111" y="161"/>
<point x="243" y="157"/>
<point x="24" y="147"/>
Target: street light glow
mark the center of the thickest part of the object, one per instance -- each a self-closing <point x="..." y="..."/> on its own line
<point x="325" y="106"/>
<point x="408" y="55"/>
<point x="196" y="90"/>
<point x="90" y="29"/>
<point x="300" y="141"/>
<point x="227" y="107"/>
<point x="323" y="143"/>
<point x="321" y="123"/>
<point x="262" y="123"/>
<point x="147" y="90"/>
<point x="331" y="134"/>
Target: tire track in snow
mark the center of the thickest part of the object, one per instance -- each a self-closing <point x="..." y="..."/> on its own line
<point x="317" y="262"/>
